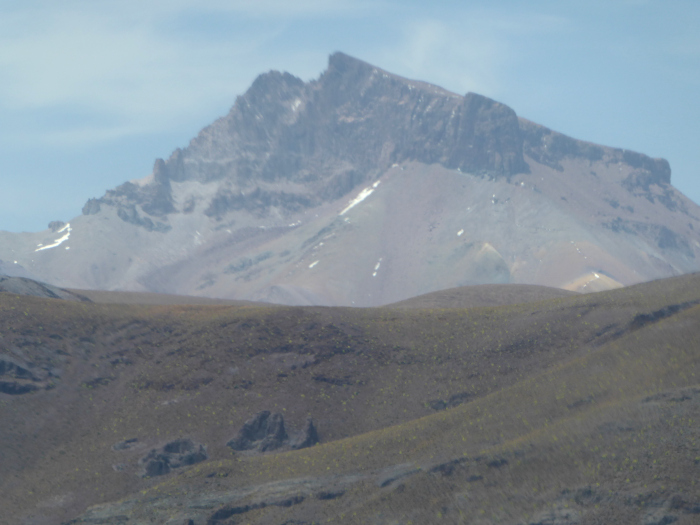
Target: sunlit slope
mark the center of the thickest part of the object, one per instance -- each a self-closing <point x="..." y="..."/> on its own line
<point x="611" y="435"/>
<point x="105" y="373"/>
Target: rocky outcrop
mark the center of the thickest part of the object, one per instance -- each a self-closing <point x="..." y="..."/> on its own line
<point x="308" y="437"/>
<point x="551" y="148"/>
<point x="153" y="198"/>
<point x="18" y="377"/>
<point x="92" y="207"/>
<point x="265" y="432"/>
<point x="176" y="454"/>
<point x="131" y="215"/>
<point x="54" y="226"/>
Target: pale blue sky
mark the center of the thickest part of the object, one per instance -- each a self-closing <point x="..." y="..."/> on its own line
<point x="91" y="92"/>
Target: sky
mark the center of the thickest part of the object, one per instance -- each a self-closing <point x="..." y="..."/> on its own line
<point x="92" y="92"/>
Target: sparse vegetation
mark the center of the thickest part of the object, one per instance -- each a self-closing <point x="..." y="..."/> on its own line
<point x="581" y="408"/>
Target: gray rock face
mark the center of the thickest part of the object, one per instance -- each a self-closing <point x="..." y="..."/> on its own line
<point x="18" y="377"/>
<point x="266" y="432"/>
<point x="176" y="454"/>
<point x="329" y="136"/>
<point x="307" y="438"/>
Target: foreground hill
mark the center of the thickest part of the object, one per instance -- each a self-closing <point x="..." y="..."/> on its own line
<point x="363" y="188"/>
<point x="580" y="409"/>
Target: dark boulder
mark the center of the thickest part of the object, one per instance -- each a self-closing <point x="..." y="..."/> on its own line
<point x="175" y="454"/>
<point x="54" y="226"/>
<point x="307" y="438"/>
<point x="255" y="429"/>
<point x="276" y="434"/>
<point x="265" y="432"/>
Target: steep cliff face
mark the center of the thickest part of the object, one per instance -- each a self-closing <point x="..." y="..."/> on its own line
<point x="550" y="148"/>
<point x="326" y="137"/>
<point x="362" y="187"/>
<point x="329" y="136"/>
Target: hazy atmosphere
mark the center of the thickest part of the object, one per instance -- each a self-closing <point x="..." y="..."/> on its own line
<point x="92" y="93"/>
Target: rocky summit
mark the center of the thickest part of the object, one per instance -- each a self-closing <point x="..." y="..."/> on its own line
<point x="364" y="188"/>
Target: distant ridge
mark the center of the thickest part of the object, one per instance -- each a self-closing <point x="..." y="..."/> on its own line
<point x="149" y="298"/>
<point x="483" y="295"/>
<point x="24" y="286"/>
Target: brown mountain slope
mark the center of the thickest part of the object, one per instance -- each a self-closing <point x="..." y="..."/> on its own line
<point x="362" y="188"/>
<point x="90" y="389"/>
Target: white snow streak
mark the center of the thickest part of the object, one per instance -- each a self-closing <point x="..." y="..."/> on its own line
<point x="460" y="232"/>
<point x="362" y="196"/>
<point x="57" y="242"/>
<point x="376" y="267"/>
<point x="313" y="264"/>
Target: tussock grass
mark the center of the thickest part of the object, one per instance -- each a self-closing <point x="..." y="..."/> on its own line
<point x="538" y="382"/>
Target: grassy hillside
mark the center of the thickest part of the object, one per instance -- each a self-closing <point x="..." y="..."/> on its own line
<point x="582" y="408"/>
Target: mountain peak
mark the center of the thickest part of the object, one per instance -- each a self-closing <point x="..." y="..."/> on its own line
<point x="363" y="187"/>
<point x="341" y="62"/>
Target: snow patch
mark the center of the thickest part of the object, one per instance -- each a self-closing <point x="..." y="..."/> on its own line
<point x="313" y="264"/>
<point x="59" y="241"/>
<point x="460" y="232"/>
<point x="361" y="196"/>
<point x="376" y="267"/>
<point x="296" y="104"/>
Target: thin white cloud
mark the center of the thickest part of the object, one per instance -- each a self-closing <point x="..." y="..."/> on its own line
<point x="120" y="60"/>
<point x="469" y="51"/>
